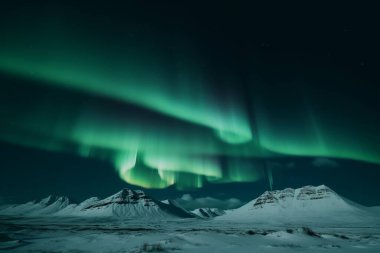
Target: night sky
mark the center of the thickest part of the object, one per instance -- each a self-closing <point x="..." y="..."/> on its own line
<point x="221" y="100"/>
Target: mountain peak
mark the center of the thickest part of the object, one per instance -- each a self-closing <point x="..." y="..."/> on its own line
<point x="135" y="203"/>
<point x="285" y="197"/>
<point x="307" y="203"/>
<point x="125" y="196"/>
<point x="54" y="199"/>
<point x="126" y="193"/>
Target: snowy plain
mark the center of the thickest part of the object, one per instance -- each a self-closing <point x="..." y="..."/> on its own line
<point x="179" y="235"/>
<point x="308" y="219"/>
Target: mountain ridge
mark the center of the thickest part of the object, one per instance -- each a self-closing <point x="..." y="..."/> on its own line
<point x="126" y="203"/>
<point x="304" y="204"/>
<point x="308" y="203"/>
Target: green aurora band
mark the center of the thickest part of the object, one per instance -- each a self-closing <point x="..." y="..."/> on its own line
<point x="189" y="126"/>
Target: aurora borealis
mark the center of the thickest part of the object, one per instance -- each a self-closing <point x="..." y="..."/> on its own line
<point x="172" y="101"/>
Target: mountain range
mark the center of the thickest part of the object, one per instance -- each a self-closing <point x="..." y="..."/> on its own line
<point x="125" y="203"/>
<point x="308" y="203"/>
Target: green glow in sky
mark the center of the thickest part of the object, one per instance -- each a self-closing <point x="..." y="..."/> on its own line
<point x="146" y="84"/>
<point x="159" y="112"/>
<point x="305" y="133"/>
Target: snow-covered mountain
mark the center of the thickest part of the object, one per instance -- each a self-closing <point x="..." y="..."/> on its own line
<point x="126" y="203"/>
<point x="308" y="203"/>
<point x="208" y="212"/>
<point x="46" y="206"/>
<point x="134" y="203"/>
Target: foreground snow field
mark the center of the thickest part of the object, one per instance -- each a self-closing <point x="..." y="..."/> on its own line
<point x="307" y="219"/>
<point x="178" y="235"/>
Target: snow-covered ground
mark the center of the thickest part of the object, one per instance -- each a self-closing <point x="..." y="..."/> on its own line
<point x="178" y="235"/>
<point x="308" y="219"/>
